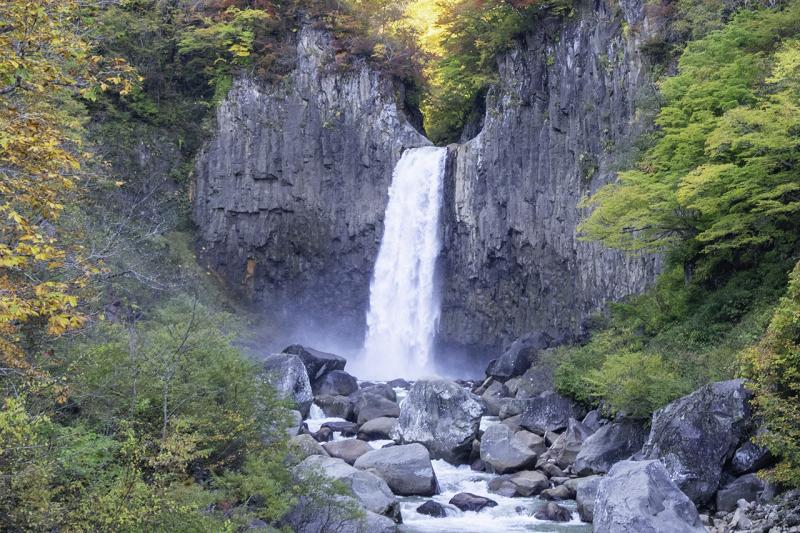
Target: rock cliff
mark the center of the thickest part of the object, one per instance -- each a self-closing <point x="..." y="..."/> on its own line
<point x="290" y="192"/>
<point x="566" y="109"/>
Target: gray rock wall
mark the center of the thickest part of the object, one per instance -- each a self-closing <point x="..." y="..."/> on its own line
<point x="556" y="127"/>
<point x="290" y="193"/>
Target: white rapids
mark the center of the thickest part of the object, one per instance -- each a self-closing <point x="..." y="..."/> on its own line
<point x="404" y="303"/>
<point x="510" y="515"/>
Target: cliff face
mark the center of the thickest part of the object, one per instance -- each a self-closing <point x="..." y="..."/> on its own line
<point x="291" y="191"/>
<point x="556" y="126"/>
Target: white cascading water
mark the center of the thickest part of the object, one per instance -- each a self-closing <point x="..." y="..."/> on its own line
<point x="404" y="304"/>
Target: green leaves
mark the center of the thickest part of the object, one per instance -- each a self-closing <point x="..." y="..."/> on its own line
<point x="723" y="177"/>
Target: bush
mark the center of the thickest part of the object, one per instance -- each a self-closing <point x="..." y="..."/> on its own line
<point x="773" y="366"/>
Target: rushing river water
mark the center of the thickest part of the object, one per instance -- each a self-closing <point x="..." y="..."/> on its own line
<point x="510" y="514"/>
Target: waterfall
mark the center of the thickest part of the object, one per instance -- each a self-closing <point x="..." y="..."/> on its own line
<point x="404" y="303"/>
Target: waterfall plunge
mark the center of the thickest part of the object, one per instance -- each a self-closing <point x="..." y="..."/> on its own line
<point x="404" y="304"/>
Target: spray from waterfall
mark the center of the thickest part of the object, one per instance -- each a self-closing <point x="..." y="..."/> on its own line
<point x="404" y="304"/>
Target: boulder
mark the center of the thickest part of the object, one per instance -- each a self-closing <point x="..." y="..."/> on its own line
<point x="348" y="450"/>
<point x="323" y="435"/>
<point x="399" y="383"/>
<point x="407" y="469"/>
<point x="286" y="373"/>
<point x="442" y="416"/>
<point x="493" y="398"/>
<point x="370" y="406"/>
<point x="548" y="412"/>
<point x="503" y="452"/>
<point x="585" y="494"/>
<point x="694" y="436"/>
<point x="466" y="501"/>
<point x="503" y="486"/>
<point x="347" y="429"/>
<point x="750" y="457"/>
<point x="317" y="363"/>
<point x="554" y="513"/>
<point x="531" y="441"/>
<point x="640" y="496"/>
<point x="551" y="470"/>
<point x="567" y="446"/>
<point x="535" y="381"/>
<point x="558" y="493"/>
<point x="432" y="508"/>
<point x="608" y="445"/>
<point x="593" y="420"/>
<point x="381" y="389"/>
<point x="368" y="489"/>
<point x="336" y="406"/>
<point x="529" y="483"/>
<point x="518" y="357"/>
<point x="335" y="514"/>
<point x="511" y="408"/>
<point x="305" y="446"/>
<point x="513" y="422"/>
<point x="747" y="487"/>
<point x="335" y="383"/>
<point x="377" y="429"/>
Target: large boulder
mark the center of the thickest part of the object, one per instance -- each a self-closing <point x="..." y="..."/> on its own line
<point x="585" y="494"/>
<point x="337" y="406"/>
<point x="536" y="380"/>
<point x="494" y="397"/>
<point x="695" y="436"/>
<point x="381" y="389"/>
<point x="335" y="383"/>
<point x="639" y="496"/>
<point x="377" y="428"/>
<point x="442" y="416"/>
<point x="502" y="452"/>
<point x="747" y="487"/>
<point x="317" y="363"/>
<point x="529" y="483"/>
<point x="548" y="412"/>
<point x="519" y="357"/>
<point x="567" y="446"/>
<point x="303" y="446"/>
<point x="286" y="373"/>
<point x="407" y="469"/>
<point x="347" y="450"/>
<point x="608" y="445"/>
<point x="750" y="457"/>
<point x="432" y="508"/>
<point x="370" y="406"/>
<point x="368" y="489"/>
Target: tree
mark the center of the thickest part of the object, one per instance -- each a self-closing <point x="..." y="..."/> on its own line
<point x="773" y="366"/>
<point x="720" y="184"/>
<point x="44" y="64"/>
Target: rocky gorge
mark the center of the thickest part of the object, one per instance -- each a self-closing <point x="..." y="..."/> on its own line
<point x="291" y="191"/>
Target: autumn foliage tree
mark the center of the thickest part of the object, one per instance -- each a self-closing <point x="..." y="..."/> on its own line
<point x="45" y="63"/>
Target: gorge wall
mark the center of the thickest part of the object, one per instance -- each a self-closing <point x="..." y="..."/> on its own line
<point x="557" y="125"/>
<point x="291" y="191"/>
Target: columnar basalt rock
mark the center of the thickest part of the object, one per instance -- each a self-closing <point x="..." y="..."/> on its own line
<point x="291" y="190"/>
<point x="568" y="107"/>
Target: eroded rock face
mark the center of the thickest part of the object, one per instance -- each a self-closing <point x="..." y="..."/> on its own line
<point x="639" y="496"/>
<point x="694" y="436"/>
<point x="555" y="127"/>
<point x="442" y="416"/>
<point x="290" y="193"/>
